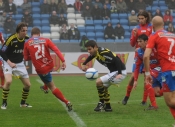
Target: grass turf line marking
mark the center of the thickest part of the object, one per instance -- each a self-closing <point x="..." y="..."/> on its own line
<point x="78" y="121"/>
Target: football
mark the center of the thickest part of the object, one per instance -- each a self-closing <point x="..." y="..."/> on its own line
<point x="91" y="74"/>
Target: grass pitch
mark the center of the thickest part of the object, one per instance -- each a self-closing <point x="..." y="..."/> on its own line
<point x="47" y="111"/>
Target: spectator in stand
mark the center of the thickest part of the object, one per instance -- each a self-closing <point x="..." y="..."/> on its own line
<point x="54" y="19"/>
<point x="167" y="18"/>
<point x="9" y="26"/>
<point x="107" y="4"/>
<point x="18" y="3"/>
<point x="27" y="18"/>
<point x="119" y="31"/>
<point x="131" y="5"/>
<point x="99" y="3"/>
<point x="109" y="31"/>
<point x="106" y="13"/>
<point x="158" y="13"/>
<point x="170" y="28"/>
<point x="26" y="6"/>
<point x="53" y="6"/>
<point x="87" y="13"/>
<point x="2" y="19"/>
<point x="96" y="13"/>
<point x="2" y="7"/>
<point x="121" y="6"/>
<point x="62" y="20"/>
<point x="171" y="5"/>
<point x="140" y="5"/>
<point x="64" y="33"/>
<point x="55" y="1"/>
<point x="78" y="6"/>
<point x="45" y="8"/>
<point x="87" y="3"/>
<point x="150" y="15"/>
<point x="148" y="2"/>
<point x="113" y="7"/>
<point x="62" y="7"/>
<point x="73" y="32"/>
<point x="10" y="8"/>
<point x="133" y="20"/>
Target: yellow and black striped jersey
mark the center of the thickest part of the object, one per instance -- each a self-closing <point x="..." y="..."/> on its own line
<point x="108" y="59"/>
<point x="12" y="49"/>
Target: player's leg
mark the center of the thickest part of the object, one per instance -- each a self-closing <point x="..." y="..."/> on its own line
<point x="47" y="79"/>
<point x="1" y="75"/>
<point x="44" y="88"/>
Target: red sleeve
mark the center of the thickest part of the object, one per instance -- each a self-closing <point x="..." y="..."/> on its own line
<point x="54" y="48"/>
<point x="1" y="38"/>
<point x="151" y="41"/>
<point x="133" y="39"/>
<point x="171" y="18"/>
<point x="138" y="62"/>
<point x="26" y="52"/>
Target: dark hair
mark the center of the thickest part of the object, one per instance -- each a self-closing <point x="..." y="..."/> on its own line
<point x="35" y="30"/>
<point x="20" y="26"/>
<point x="91" y="43"/>
<point x="143" y="37"/>
<point x="145" y="14"/>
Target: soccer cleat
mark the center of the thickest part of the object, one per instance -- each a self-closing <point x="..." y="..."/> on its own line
<point x="143" y="103"/>
<point x="45" y="90"/>
<point x="69" y="106"/>
<point x="125" y="100"/>
<point x="25" y="105"/>
<point x="108" y="109"/>
<point x="100" y="106"/>
<point x="4" y="106"/>
<point x="150" y="107"/>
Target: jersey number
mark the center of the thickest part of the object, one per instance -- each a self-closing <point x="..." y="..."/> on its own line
<point x="171" y="46"/>
<point x="40" y="52"/>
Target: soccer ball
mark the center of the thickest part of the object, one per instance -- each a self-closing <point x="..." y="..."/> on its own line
<point x="91" y="74"/>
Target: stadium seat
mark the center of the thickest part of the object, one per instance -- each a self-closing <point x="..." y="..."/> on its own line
<point x="4" y="35"/>
<point x="127" y="34"/>
<point x="36" y="4"/>
<point x="99" y="28"/>
<point x="45" y="29"/>
<point x="154" y="8"/>
<point x="123" y="16"/>
<point x="78" y="16"/>
<point x="82" y="33"/>
<point x="162" y="3"/>
<point x="119" y="40"/>
<point x="98" y="22"/>
<point x="70" y="21"/>
<point x="1" y="29"/>
<point x="105" y="22"/>
<point x="29" y="28"/>
<point x="148" y="8"/>
<point x="80" y="22"/>
<point x="124" y="22"/>
<point x="70" y="16"/>
<point x="110" y="40"/>
<point x="46" y="35"/>
<point x="89" y="22"/>
<point x="45" y="22"/>
<point x="74" y="41"/>
<point x="155" y="3"/>
<point x="101" y="40"/>
<point x="82" y="28"/>
<point x="45" y="16"/>
<point x="126" y="28"/>
<point x="163" y="8"/>
<point x="55" y="41"/>
<point x="126" y="40"/>
<point x="90" y="29"/>
<point x="70" y="10"/>
<point x="19" y="10"/>
<point x="64" y="41"/>
<point x="114" y="16"/>
<point x="36" y="10"/>
<point x="36" y="22"/>
<point x="55" y="35"/>
<point x="90" y="35"/>
<point x="17" y="21"/>
<point x="18" y="16"/>
<point x="114" y="22"/>
<point x="131" y="28"/>
<point x="36" y="16"/>
<point x="99" y="35"/>
<point x="54" y="29"/>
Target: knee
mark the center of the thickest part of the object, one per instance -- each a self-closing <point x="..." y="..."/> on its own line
<point x="98" y="82"/>
<point x="171" y="103"/>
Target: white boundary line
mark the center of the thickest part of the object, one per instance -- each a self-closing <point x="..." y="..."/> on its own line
<point x="78" y="121"/>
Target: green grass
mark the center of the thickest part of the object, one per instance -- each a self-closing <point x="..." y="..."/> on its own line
<point x="47" y="111"/>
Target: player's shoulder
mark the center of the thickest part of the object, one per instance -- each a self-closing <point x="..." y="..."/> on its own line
<point x="27" y="37"/>
<point x="102" y="49"/>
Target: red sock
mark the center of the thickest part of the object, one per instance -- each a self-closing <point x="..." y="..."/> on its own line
<point x="2" y="80"/>
<point x="59" y="95"/>
<point x="161" y="92"/>
<point x="145" y="95"/>
<point x="128" y="90"/>
<point x="172" y="110"/>
<point x="151" y="94"/>
<point x="45" y="87"/>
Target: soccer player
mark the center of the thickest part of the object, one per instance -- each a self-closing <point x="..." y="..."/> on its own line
<point x="117" y="72"/>
<point x="1" y="71"/>
<point x="12" y="54"/>
<point x="163" y="41"/>
<point x="37" y="49"/>
<point x="144" y="27"/>
<point x="154" y="88"/>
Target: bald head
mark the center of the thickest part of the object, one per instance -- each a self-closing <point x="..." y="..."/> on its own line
<point x="158" y="23"/>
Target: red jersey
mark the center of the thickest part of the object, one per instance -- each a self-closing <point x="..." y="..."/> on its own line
<point x="141" y="29"/>
<point x="154" y="63"/>
<point x="37" y="50"/>
<point x="1" y="38"/>
<point x="164" y="41"/>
